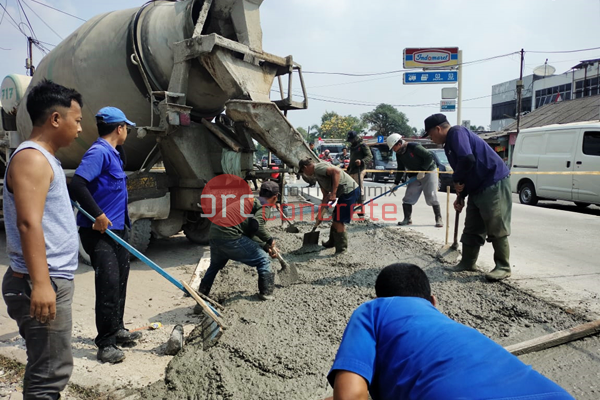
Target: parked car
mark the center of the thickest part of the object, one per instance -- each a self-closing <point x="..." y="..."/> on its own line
<point x="264" y="161"/>
<point x="383" y="159"/>
<point x="561" y="148"/>
<point x="443" y="166"/>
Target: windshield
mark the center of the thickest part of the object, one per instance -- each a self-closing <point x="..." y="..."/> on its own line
<point x="441" y="155"/>
<point x="382" y="154"/>
<point x="333" y="148"/>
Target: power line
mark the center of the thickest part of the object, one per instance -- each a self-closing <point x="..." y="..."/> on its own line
<point x="16" y="24"/>
<point x="60" y="11"/>
<point x="561" y="51"/>
<point x="41" y="19"/>
<point x="27" y="18"/>
<point x="3" y="12"/>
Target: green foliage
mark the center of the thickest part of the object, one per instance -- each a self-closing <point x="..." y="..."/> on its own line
<point x="335" y="126"/>
<point x="386" y="119"/>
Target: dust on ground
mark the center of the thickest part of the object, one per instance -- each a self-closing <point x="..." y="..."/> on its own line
<point x="284" y="348"/>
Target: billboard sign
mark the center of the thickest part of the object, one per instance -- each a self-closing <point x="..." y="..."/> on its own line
<point x="430" y="57"/>
<point x="412" y="78"/>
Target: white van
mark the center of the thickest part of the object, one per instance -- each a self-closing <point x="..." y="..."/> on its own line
<point x="558" y="148"/>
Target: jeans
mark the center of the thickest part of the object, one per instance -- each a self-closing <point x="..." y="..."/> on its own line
<point x="49" y="357"/>
<point x="110" y="261"/>
<point x="243" y="249"/>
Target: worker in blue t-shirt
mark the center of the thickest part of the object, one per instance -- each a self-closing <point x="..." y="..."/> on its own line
<point x="399" y="346"/>
<point x="480" y="174"/>
<point x="100" y="186"/>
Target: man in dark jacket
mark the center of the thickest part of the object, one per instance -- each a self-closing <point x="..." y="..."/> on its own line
<point x="360" y="156"/>
<point x="248" y="242"/>
<point x="414" y="157"/>
<point x="480" y="174"/>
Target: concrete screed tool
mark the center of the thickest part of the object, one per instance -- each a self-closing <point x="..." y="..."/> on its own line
<point x="211" y="322"/>
<point x="450" y="253"/>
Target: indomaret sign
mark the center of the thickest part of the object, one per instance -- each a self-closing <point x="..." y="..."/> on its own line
<point x="432" y="57"/>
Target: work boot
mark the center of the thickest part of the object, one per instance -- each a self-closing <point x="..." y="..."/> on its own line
<point x="407" y="214"/>
<point x="124" y="336"/>
<point x="110" y="354"/>
<point x="341" y="242"/>
<point x="204" y="289"/>
<point x="266" y="285"/>
<point x="439" y="222"/>
<point x="468" y="260"/>
<point x="501" y="256"/>
<point x="331" y="242"/>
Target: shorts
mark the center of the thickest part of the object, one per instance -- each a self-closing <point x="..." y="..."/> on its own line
<point x="345" y="206"/>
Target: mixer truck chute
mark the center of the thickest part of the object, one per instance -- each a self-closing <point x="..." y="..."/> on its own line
<point x="175" y="68"/>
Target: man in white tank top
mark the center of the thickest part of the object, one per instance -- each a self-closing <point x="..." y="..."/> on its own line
<point x="42" y="240"/>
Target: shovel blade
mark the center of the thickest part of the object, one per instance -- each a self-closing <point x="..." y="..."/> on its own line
<point x="288" y="274"/>
<point x="292" y="229"/>
<point x="448" y="254"/>
<point x="311" y="238"/>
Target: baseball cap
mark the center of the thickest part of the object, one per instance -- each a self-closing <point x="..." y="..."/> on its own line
<point x="112" y="115"/>
<point x="269" y="189"/>
<point x="304" y="163"/>
<point x="432" y="121"/>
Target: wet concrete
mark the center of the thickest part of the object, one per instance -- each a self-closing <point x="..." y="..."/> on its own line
<point x="284" y="348"/>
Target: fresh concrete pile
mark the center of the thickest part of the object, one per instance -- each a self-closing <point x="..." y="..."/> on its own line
<point x="284" y="348"/>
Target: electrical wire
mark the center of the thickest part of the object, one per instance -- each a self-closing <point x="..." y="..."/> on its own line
<point x="561" y="51"/>
<point x="27" y="19"/>
<point x="3" y="12"/>
<point x="40" y="18"/>
<point x="60" y="11"/>
<point x="16" y="24"/>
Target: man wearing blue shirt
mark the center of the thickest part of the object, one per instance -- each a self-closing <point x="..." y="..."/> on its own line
<point x="399" y="346"/>
<point x="480" y="174"/>
<point x="100" y="186"/>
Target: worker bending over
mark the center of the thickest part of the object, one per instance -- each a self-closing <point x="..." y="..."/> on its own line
<point x="334" y="184"/>
<point x="399" y="346"/>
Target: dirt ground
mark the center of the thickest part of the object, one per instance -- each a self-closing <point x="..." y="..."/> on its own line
<point x="284" y="348"/>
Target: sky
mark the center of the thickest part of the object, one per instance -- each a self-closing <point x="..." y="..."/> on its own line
<point x="361" y="37"/>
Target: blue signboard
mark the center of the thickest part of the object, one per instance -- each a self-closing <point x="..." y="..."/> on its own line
<point x="412" y="78"/>
<point x="379" y="139"/>
<point x="448" y="105"/>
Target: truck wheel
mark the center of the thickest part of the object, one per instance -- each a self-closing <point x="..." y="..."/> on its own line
<point x="527" y="194"/>
<point x="197" y="232"/>
<point x="581" y="205"/>
<point x="139" y="236"/>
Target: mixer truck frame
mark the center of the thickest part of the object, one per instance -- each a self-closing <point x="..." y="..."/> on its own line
<point x="194" y="77"/>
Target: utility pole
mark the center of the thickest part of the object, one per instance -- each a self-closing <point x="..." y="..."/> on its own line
<point x="459" y="105"/>
<point x="519" y="103"/>
<point x="29" y="61"/>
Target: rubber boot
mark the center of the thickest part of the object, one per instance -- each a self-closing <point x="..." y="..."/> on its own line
<point x="341" y="242"/>
<point x="331" y="242"/>
<point x="407" y="214"/>
<point x="205" y="290"/>
<point x="501" y="258"/>
<point x="266" y="285"/>
<point x="439" y="222"/>
<point x="361" y="211"/>
<point x="469" y="259"/>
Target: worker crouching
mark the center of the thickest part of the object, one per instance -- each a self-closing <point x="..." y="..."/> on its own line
<point x="334" y="184"/>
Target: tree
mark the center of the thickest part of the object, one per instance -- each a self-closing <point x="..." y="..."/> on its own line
<point x="335" y="126"/>
<point x="386" y="119"/>
<point x="475" y="128"/>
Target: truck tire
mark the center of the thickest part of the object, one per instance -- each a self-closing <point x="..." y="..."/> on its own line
<point x="139" y="236"/>
<point x="581" y="205"/>
<point x="527" y="194"/>
<point x="197" y="232"/>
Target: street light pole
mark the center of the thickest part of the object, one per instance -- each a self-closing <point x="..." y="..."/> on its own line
<point x="519" y="104"/>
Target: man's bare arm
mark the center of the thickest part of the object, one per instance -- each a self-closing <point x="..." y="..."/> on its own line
<point x="335" y="174"/>
<point x="350" y="386"/>
<point x="29" y="177"/>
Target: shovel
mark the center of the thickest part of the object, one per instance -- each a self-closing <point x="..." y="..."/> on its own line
<point x="312" y="237"/>
<point x="449" y="253"/>
<point x="288" y="273"/>
<point x="291" y="227"/>
<point x="211" y="322"/>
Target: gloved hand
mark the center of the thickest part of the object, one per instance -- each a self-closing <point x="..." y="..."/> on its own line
<point x="420" y="175"/>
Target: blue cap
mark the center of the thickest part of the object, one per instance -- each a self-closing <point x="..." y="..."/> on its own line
<point x="112" y="115"/>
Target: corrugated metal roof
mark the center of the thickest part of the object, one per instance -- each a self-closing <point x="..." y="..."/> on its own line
<point x="563" y="112"/>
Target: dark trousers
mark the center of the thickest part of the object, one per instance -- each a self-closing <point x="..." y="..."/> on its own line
<point x="111" y="264"/>
<point x="49" y="356"/>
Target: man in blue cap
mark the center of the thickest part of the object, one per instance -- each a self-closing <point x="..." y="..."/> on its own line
<point x="100" y="186"/>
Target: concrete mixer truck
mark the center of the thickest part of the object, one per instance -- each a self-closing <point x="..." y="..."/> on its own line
<point x="194" y="77"/>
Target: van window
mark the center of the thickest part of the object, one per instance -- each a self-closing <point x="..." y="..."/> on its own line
<point x="532" y="144"/>
<point x="384" y="155"/>
<point x="560" y="142"/>
<point x="591" y="143"/>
